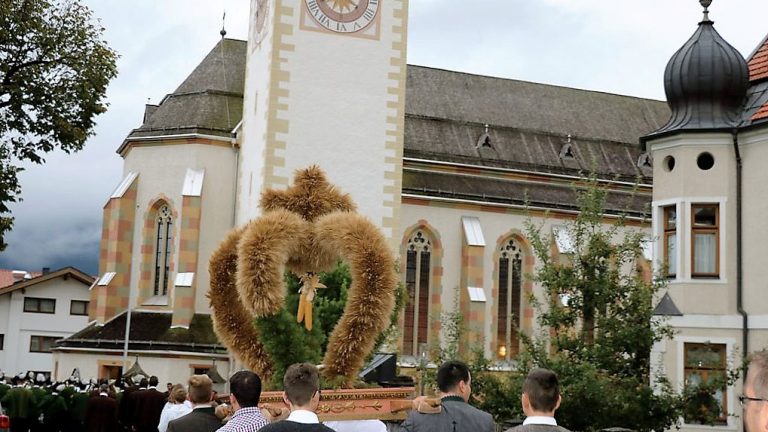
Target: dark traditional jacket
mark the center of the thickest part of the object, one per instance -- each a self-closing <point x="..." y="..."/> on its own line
<point x="455" y="416"/>
<point x="199" y="420"/>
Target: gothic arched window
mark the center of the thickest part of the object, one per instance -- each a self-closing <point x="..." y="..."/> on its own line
<point x="509" y="303"/>
<point x="162" y="256"/>
<point x="418" y="271"/>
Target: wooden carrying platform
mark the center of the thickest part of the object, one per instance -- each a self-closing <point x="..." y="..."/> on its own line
<point x="354" y="404"/>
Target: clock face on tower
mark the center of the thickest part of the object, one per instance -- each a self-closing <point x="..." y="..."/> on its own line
<point x="261" y="8"/>
<point x="343" y="16"/>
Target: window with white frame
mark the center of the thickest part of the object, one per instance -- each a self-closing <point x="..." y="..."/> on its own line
<point x="705" y="240"/>
<point x="670" y="240"/>
<point x="705" y="383"/>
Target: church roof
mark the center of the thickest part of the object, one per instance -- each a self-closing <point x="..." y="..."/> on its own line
<point x="149" y="331"/>
<point x="520" y="105"/>
<point x="514" y="192"/>
<point x="529" y="126"/>
<point x="209" y="101"/>
<point x="446" y="113"/>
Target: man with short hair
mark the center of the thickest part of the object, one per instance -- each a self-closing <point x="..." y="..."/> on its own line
<point x="301" y="392"/>
<point x="203" y="416"/>
<point x="540" y="399"/>
<point x="149" y="403"/>
<point x="456" y="415"/>
<point x="101" y="412"/>
<point x="755" y="397"/>
<point x="244" y="394"/>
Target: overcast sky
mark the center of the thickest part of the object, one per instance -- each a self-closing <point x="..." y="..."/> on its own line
<point x="615" y="46"/>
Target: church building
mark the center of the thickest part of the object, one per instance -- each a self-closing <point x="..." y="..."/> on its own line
<point x="449" y="165"/>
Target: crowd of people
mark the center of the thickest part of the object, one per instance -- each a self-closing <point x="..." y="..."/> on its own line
<point x="75" y="406"/>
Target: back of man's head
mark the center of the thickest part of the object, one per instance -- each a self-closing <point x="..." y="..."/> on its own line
<point x="246" y="386"/>
<point x="200" y="389"/>
<point x="143" y="383"/>
<point x="300" y="383"/>
<point x="757" y="373"/>
<point x="450" y="374"/>
<point x="153" y="381"/>
<point x="177" y="394"/>
<point x="543" y="389"/>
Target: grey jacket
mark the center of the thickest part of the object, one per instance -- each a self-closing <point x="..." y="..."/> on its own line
<point x="455" y="416"/>
<point x="537" y="428"/>
<point x="199" y="420"/>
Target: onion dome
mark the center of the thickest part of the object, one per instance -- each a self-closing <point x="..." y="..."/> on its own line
<point x="705" y="81"/>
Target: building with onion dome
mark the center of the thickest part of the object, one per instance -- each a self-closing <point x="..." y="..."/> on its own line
<point x="709" y="208"/>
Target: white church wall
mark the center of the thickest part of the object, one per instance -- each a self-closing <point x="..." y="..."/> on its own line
<point x="446" y="220"/>
<point x="258" y="72"/>
<point x="175" y="367"/>
<point x="162" y="170"/>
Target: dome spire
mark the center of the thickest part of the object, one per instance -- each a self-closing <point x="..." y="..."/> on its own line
<point x="705" y="82"/>
<point x="705" y="4"/>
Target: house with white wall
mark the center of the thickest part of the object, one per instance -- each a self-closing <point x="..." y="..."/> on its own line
<point x="36" y="309"/>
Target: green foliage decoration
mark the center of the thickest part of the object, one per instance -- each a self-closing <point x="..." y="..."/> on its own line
<point x="289" y="342"/>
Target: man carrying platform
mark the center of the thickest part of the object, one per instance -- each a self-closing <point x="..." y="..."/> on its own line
<point x="456" y="415"/>
<point x="541" y="398"/>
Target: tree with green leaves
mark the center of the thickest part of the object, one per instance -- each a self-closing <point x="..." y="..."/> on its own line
<point x="596" y="309"/>
<point x="595" y="312"/>
<point x="54" y="71"/>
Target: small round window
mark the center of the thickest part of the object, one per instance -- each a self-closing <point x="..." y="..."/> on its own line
<point x="705" y="161"/>
<point x="669" y="163"/>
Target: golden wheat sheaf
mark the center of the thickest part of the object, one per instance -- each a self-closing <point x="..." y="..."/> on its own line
<point x="307" y="228"/>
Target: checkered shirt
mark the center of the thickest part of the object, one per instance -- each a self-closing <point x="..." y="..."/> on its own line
<point x="247" y="419"/>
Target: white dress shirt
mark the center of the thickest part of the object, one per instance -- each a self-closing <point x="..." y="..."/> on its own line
<point x="540" y="420"/>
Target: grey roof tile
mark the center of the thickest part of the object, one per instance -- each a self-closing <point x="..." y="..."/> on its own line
<point x="667" y="307"/>
<point x="552" y="195"/>
<point x="531" y="106"/>
<point x="209" y="101"/>
<point x="149" y="330"/>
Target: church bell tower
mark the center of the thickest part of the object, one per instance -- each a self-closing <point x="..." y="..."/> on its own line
<point x="325" y="85"/>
